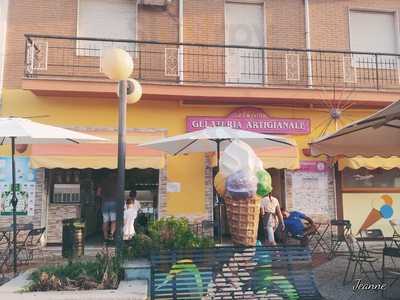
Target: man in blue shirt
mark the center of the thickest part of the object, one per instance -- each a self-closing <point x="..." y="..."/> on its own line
<point x="295" y="226"/>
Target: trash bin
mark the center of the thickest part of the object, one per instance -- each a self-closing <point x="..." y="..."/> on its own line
<point x="73" y="238"/>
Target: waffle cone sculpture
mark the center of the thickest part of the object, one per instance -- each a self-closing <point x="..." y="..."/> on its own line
<point x="242" y="182"/>
<point x="243" y="218"/>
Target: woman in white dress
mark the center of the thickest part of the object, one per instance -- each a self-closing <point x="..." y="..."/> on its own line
<point x="130" y="214"/>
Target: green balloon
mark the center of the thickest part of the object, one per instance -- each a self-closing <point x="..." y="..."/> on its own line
<point x="264" y="185"/>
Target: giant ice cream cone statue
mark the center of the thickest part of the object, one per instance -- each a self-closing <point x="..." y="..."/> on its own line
<point x="242" y="182"/>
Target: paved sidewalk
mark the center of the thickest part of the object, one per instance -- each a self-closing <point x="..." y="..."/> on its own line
<point x="127" y="290"/>
<point x="329" y="277"/>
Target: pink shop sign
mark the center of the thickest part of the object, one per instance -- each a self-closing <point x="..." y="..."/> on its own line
<point x="252" y="119"/>
<point x="313" y="166"/>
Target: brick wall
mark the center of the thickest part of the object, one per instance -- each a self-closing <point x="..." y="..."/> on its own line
<point x="162" y="193"/>
<point x="57" y="17"/>
<point x="56" y="214"/>
<point x="203" y="23"/>
<point x="329" y="214"/>
<point x="329" y="20"/>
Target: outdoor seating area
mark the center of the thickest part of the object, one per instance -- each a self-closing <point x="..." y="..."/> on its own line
<point x="28" y="244"/>
<point x="366" y="254"/>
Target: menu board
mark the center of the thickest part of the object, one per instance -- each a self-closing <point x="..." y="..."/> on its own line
<point x="25" y="186"/>
<point x="311" y="187"/>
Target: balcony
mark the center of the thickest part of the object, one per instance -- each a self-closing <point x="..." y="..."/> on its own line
<point x="248" y="70"/>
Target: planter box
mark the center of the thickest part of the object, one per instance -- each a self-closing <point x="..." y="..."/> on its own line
<point x="138" y="269"/>
<point x="127" y="290"/>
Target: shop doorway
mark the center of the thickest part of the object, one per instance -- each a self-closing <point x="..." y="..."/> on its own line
<point x="278" y="185"/>
<point x="144" y="181"/>
<point x="278" y="191"/>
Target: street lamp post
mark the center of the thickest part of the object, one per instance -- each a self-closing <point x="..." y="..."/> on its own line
<point x="121" y="165"/>
<point x="118" y="65"/>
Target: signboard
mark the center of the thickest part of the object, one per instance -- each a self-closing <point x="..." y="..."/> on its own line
<point x="25" y="179"/>
<point x="370" y="210"/>
<point x="173" y="187"/>
<point x="251" y="119"/>
<point x="311" y="188"/>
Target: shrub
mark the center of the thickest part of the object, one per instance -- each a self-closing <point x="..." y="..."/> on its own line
<point x="139" y="246"/>
<point x="166" y="234"/>
<point x="102" y="273"/>
<point x="172" y="233"/>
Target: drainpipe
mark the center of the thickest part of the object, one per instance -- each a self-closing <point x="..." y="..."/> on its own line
<point x="3" y="33"/>
<point x="308" y="43"/>
<point x="180" y="40"/>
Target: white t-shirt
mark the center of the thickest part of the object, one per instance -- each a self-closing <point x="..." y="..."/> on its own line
<point x="136" y="205"/>
<point x="269" y="205"/>
<point x="130" y="215"/>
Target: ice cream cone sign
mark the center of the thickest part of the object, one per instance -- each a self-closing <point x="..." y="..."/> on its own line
<point x="382" y="208"/>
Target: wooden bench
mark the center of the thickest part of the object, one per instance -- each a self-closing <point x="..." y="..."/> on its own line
<point x="281" y="272"/>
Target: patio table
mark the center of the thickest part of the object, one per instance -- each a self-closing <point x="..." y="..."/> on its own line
<point x="367" y="239"/>
<point x="318" y="236"/>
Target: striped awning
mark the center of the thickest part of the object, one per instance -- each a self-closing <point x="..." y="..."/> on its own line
<point x="369" y="163"/>
<point x="100" y="155"/>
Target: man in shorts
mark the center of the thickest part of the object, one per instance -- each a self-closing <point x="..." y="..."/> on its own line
<point x="108" y="194"/>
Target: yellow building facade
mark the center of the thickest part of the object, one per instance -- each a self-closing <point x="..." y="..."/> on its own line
<point x="296" y="72"/>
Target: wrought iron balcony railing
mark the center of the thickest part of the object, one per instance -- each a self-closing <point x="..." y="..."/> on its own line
<point x="79" y="58"/>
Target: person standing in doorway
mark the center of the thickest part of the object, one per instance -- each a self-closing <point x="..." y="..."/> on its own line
<point x="131" y="211"/>
<point x="271" y="217"/>
<point x="108" y="193"/>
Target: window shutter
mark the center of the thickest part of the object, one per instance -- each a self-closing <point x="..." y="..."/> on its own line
<point x="107" y="19"/>
<point x="372" y="32"/>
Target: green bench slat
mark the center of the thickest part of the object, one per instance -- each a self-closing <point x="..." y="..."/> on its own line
<point x="284" y="271"/>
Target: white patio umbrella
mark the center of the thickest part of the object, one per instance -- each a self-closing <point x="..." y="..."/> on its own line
<point x="216" y="139"/>
<point x="376" y="135"/>
<point x="24" y="131"/>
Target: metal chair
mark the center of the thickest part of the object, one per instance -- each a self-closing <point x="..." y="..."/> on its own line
<point x="4" y="237"/>
<point x="31" y="244"/>
<point x="359" y="255"/>
<point x="391" y="272"/>
<point x="340" y="230"/>
<point x="396" y="233"/>
<point x="4" y="261"/>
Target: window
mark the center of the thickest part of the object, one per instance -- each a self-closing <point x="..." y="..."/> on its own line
<point x="373" y="32"/>
<point x="106" y="19"/>
<point x="64" y="186"/>
<point x="370" y="180"/>
<point x="244" y="27"/>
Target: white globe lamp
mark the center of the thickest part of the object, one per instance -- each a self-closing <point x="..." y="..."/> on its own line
<point x="116" y="64"/>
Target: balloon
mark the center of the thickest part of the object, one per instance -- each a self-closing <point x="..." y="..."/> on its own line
<point x="241" y="185"/>
<point x="264" y="185"/>
<point x="219" y="183"/>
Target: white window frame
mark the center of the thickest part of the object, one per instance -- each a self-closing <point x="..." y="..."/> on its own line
<point x="262" y="3"/>
<point x="79" y="53"/>
<point x="397" y="35"/>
